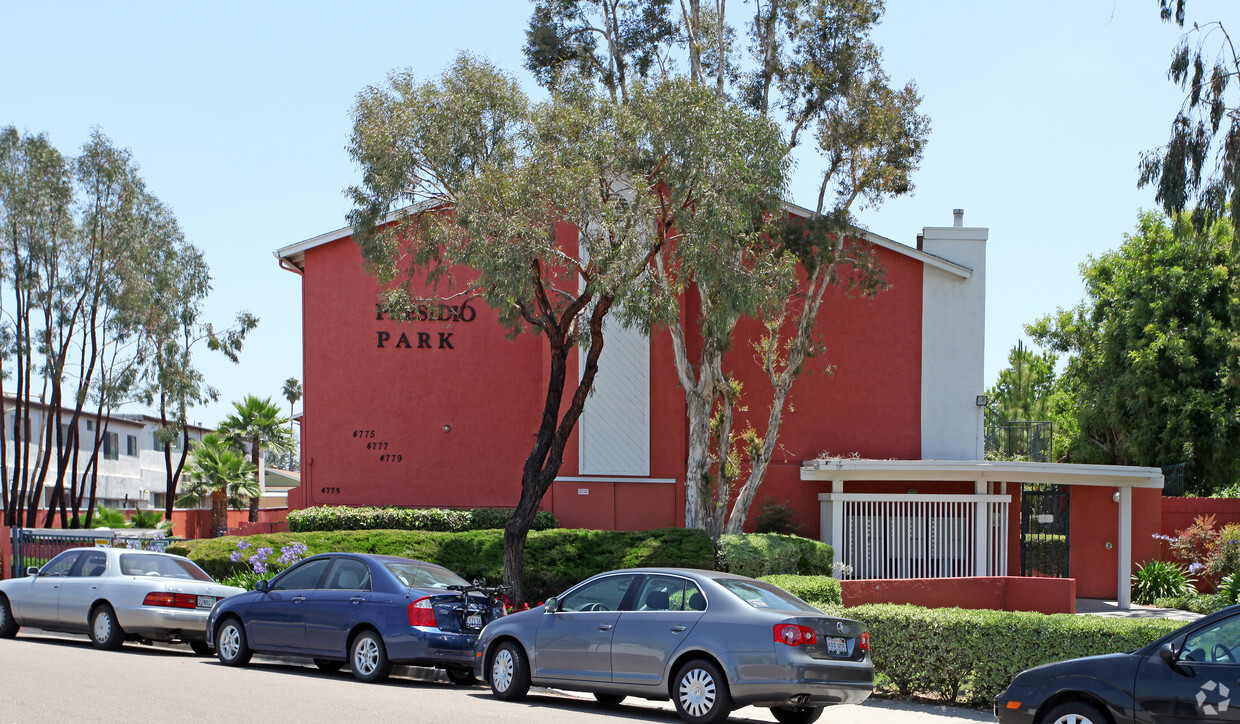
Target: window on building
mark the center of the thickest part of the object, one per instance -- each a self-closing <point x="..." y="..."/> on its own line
<point x="131" y="445"/>
<point x="90" y="425"/>
<point x="176" y="443"/>
<point x="111" y="446"/>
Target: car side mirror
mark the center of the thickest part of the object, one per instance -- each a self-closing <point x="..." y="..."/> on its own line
<point x="32" y="571"/>
<point x="262" y="585"/>
<point x="1168" y="654"/>
<point x="552" y="605"/>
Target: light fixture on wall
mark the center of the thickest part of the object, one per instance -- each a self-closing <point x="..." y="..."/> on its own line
<point x="447" y="428"/>
<point x="1115" y="496"/>
<point x="982" y="400"/>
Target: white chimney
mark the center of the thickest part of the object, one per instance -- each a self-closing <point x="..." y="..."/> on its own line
<point x="957" y="217"/>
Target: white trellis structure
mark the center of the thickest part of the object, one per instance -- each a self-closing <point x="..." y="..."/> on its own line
<point x="917" y="536"/>
<point x="920" y="535"/>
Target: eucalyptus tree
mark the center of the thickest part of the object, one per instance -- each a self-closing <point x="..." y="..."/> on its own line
<point x="257" y="423"/>
<point x="497" y="179"/>
<point x="218" y="472"/>
<point x="811" y="66"/>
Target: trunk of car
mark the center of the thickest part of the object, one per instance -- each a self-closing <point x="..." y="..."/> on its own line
<point x="462" y="614"/>
<point x="836" y="638"/>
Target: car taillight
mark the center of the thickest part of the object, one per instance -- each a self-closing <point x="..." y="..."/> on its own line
<point x="170" y="600"/>
<point x="421" y="613"/>
<point x="865" y="640"/>
<point x="794" y="635"/>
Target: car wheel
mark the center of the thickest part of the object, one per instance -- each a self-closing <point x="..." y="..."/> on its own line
<point x="796" y="714"/>
<point x="231" y="647"/>
<point x="609" y="699"/>
<point x="328" y="665"/>
<point x="8" y="627"/>
<point x="461" y="676"/>
<point x="1076" y="712"/>
<point x="105" y="632"/>
<point x="510" y="672"/>
<point x="368" y="658"/>
<point x="701" y="693"/>
<point x="200" y="648"/>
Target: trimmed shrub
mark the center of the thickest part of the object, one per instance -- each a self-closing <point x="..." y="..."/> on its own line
<point x="970" y="656"/>
<point x="554" y="559"/>
<point x="343" y="517"/>
<point x="767" y="554"/>
<point x="816" y="590"/>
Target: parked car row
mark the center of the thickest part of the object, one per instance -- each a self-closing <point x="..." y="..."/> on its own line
<point x="709" y="641"/>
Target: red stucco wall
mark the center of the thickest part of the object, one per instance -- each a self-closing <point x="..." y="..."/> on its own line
<point x="1179" y="513"/>
<point x="1004" y="593"/>
<point x="488" y="391"/>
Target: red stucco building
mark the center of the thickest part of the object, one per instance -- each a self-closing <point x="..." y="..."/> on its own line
<point x="441" y="411"/>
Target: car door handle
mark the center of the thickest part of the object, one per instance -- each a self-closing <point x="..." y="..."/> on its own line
<point x="677" y="629"/>
<point x="604" y="627"/>
<point x="298" y="599"/>
<point x="356" y="599"/>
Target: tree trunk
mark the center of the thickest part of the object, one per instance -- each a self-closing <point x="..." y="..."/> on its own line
<point x="219" y="514"/>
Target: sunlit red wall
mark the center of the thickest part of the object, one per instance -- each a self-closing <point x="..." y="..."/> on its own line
<point x="376" y="407"/>
<point x="870" y="402"/>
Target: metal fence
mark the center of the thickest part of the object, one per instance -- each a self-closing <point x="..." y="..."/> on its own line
<point x="1018" y="440"/>
<point x="36" y="546"/>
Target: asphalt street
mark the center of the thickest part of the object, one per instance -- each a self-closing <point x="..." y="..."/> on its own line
<point x="55" y="678"/>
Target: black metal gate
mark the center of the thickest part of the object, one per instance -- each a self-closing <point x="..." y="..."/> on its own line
<point x="1044" y="526"/>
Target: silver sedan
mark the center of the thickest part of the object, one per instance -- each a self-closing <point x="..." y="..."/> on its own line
<point x="114" y="595"/>
<point x="709" y="641"/>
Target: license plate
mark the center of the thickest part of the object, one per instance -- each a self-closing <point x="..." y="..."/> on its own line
<point x="206" y="601"/>
<point x="473" y="620"/>
<point x="837" y="646"/>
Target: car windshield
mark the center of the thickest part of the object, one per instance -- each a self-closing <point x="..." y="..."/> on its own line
<point x="147" y="564"/>
<point x="416" y="575"/>
<point x="764" y="595"/>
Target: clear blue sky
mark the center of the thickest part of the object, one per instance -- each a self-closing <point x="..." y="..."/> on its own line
<point x="238" y="113"/>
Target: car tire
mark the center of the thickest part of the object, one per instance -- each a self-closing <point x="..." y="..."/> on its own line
<point x="796" y="714"/>
<point x="231" y="646"/>
<point x="8" y="626"/>
<point x="329" y="666"/>
<point x="510" y="672"/>
<point x="105" y="632"/>
<point x="200" y="648"/>
<point x="1076" y="712"/>
<point x="461" y="675"/>
<point x="609" y="699"/>
<point x="368" y="658"/>
<point x="700" y="692"/>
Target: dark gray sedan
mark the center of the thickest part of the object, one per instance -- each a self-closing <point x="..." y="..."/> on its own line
<point x="709" y="641"/>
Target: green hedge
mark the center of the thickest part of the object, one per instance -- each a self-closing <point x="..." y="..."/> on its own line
<point x="554" y="559"/>
<point x="817" y="590"/>
<point x="767" y="554"/>
<point x="1045" y="552"/>
<point x="343" y="517"/>
<point x="970" y="656"/>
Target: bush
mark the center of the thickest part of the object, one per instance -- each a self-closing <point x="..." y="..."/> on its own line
<point x="1160" y="579"/>
<point x="554" y="559"/>
<point x="1046" y="553"/>
<point x="343" y="517"/>
<point x="817" y="590"/>
<point x="776" y="517"/>
<point x="970" y="656"/>
<point x="767" y="554"/>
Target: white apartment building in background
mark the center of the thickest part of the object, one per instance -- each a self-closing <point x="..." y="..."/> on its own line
<point x="132" y="473"/>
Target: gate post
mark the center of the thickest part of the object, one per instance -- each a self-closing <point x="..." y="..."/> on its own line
<point x="1124" y="594"/>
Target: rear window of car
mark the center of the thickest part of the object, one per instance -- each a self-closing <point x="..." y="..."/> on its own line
<point x="413" y="575"/>
<point x="764" y="595"/>
<point x="146" y="564"/>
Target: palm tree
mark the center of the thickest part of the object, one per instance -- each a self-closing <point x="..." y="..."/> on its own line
<point x="292" y="393"/>
<point x="218" y="472"/>
<point x="257" y="422"/>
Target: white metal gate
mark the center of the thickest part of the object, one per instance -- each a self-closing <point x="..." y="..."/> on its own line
<point x="917" y="536"/>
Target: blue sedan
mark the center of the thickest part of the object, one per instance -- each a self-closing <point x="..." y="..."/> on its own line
<point x="367" y="610"/>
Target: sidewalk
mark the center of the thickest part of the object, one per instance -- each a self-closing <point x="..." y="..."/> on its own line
<point x="1100" y="607"/>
